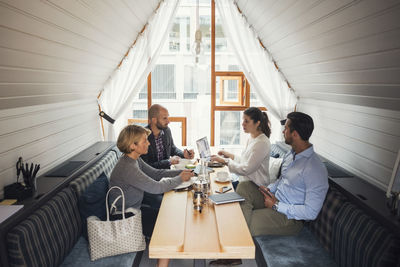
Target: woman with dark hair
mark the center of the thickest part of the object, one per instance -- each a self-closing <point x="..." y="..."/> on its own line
<point x="253" y="164"/>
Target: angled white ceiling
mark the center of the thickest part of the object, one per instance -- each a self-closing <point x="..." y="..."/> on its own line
<point x="340" y="51"/>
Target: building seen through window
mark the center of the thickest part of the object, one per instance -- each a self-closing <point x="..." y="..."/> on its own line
<point x="184" y="88"/>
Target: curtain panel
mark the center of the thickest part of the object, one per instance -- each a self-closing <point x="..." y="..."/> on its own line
<point x="126" y="81"/>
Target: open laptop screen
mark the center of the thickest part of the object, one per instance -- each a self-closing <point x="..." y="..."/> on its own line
<point x="204" y="148"/>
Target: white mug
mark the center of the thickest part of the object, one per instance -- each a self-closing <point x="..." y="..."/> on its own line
<point x="223" y="176"/>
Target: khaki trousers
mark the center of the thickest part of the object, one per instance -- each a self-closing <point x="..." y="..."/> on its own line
<point x="262" y="220"/>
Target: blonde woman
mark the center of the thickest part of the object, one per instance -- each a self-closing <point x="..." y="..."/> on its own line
<point x="135" y="176"/>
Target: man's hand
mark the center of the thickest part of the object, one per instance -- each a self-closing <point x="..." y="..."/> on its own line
<point x="188" y="154"/>
<point x="174" y="160"/>
<point x="186" y="175"/>
<point x="269" y="198"/>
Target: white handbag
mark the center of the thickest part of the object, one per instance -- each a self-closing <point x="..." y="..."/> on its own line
<point x="109" y="238"/>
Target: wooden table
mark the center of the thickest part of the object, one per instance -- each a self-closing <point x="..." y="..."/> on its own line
<point x="219" y="231"/>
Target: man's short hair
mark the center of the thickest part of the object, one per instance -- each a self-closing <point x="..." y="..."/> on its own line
<point x="154" y="110"/>
<point x="302" y="123"/>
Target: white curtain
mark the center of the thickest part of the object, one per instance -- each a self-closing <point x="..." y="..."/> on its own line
<point x="255" y="61"/>
<point x="125" y="83"/>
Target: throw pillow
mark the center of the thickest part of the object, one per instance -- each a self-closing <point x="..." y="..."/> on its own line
<point x="274" y="167"/>
<point x="93" y="201"/>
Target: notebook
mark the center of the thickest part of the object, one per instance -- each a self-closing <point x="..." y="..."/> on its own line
<point x="226" y="198"/>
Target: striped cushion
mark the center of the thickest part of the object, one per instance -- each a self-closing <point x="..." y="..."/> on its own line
<point x="322" y="226"/>
<point x="106" y="165"/>
<point x="276" y="150"/>
<point x="357" y="240"/>
<point x="46" y="236"/>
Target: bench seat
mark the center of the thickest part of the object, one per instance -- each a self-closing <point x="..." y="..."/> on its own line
<point x="299" y="250"/>
<point x="52" y="234"/>
<point x="79" y="256"/>
<point x="342" y="235"/>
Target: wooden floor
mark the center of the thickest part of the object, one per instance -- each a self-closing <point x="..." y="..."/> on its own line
<point x="146" y="262"/>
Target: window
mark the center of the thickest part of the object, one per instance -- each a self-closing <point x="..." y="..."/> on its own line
<point x="211" y="99"/>
<point x="163" y="82"/>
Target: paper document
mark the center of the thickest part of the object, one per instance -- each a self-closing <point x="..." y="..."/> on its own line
<point x="7" y="210"/>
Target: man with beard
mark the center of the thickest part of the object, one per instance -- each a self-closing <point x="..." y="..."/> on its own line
<point x="299" y="192"/>
<point x="162" y="151"/>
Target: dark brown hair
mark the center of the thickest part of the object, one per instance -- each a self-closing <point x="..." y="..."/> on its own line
<point x="256" y="115"/>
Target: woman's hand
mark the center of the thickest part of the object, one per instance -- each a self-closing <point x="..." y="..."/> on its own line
<point x="186" y="175"/>
<point x="217" y="159"/>
<point x="225" y="154"/>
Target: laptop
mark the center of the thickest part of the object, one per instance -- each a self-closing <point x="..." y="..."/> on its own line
<point x="205" y="152"/>
<point x="204" y="148"/>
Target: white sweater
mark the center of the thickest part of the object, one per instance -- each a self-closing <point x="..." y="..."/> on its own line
<point x="253" y="164"/>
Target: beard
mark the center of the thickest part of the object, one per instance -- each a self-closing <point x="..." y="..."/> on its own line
<point x="288" y="141"/>
<point x="160" y="126"/>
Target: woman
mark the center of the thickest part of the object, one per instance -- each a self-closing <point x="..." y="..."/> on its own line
<point x="253" y="164"/>
<point x="135" y="177"/>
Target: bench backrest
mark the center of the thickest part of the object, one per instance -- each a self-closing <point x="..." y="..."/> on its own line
<point x="105" y="164"/>
<point x="351" y="236"/>
<point x="46" y="236"/>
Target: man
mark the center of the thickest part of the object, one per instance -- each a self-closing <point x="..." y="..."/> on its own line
<point x="162" y="151"/>
<point x="297" y="195"/>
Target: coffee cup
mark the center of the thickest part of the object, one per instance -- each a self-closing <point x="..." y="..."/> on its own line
<point x="222" y="176"/>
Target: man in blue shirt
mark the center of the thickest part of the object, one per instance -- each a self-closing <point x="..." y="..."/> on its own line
<point x="297" y="195"/>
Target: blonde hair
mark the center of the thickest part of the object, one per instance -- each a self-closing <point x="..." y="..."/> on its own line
<point x="130" y="134"/>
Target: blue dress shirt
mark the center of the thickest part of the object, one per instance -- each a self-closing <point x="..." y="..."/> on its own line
<point x="303" y="185"/>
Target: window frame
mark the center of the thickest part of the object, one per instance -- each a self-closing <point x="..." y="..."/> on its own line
<point x="243" y="92"/>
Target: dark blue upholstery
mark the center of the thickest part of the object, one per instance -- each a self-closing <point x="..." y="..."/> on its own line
<point x="93" y="201"/>
<point x="299" y="250"/>
<point x="46" y="236"/>
<point x="358" y="240"/>
<point x="51" y="233"/>
<point x="342" y="235"/>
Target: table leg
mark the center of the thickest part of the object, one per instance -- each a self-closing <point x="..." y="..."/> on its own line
<point x="199" y="263"/>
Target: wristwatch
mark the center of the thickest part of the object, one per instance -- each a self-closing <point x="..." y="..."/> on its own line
<point x="275" y="206"/>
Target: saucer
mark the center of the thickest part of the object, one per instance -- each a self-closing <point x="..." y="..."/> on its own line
<point x="185" y="184"/>
<point x="219" y="181"/>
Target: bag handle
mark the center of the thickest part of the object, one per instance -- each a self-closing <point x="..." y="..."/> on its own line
<point x="123" y="202"/>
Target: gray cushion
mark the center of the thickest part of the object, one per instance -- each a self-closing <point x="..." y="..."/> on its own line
<point x="106" y="165"/>
<point x="79" y="256"/>
<point x="298" y="250"/>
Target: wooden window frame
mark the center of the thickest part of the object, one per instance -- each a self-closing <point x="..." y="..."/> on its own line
<point x="241" y="90"/>
<point x="244" y="91"/>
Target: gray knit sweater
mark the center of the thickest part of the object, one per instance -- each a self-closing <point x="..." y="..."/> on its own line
<point x="136" y="177"/>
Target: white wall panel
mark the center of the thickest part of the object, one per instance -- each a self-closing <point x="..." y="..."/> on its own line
<point x="55" y="57"/>
<point x="45" y="135"/>
<point x="342" y="58"/>
<point x="360" y="139"/>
